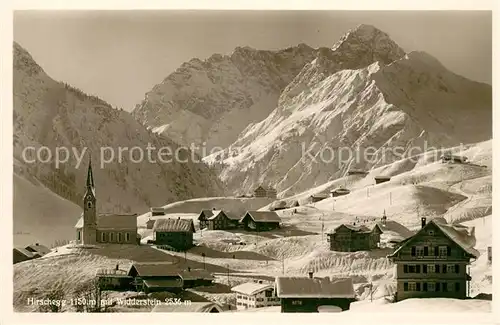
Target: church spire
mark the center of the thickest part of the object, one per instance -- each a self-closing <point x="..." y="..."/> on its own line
<point x="90" y="176"/>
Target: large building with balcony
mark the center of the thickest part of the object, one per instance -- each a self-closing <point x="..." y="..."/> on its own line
<point x="433" y="262"/>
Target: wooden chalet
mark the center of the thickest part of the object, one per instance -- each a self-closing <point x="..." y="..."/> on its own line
<point x="38" y="249"/>
<point x="260" y="220"/>
<point x="148" y="277"/>
<point x="176" y="233"/>
<point x="262" y="191"/>
<point x="339" y="192"/>
<point x="352" y="238"/>
<point x="114" y="279"/>
<point x="381" y="179"/>
<point x="196" y="278"/>
<point x="317" y="198"/>
<point x="22" y="254"/>
<point x="220" y="220"/>
<point x="309" y="294"/>
<point x="432" y="263"/>
<point x="159" y="211"/>
<point x="447" y="157"/>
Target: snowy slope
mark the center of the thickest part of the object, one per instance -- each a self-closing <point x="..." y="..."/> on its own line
<point x="363" y="93"/>
<point x="51" y="114"/>
<point x="213" y="100"/>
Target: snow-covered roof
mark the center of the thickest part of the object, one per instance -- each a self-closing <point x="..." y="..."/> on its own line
<point x="191" y="307"/>
<point x="174" y="225"/>
<point x="229" y="215"/>
<point x="395" y="227"/>
<point x="205" y="214"/>
<point x="153" y="269"/>
<point x="462" y="235"/>
<point x="305" y="287"/>
<point x="360" y="228"/>
<point x="164" y="283"/>
<point x="37" y="248"/>
<point x="196" y="274"/>
<point x="25" y="252"/>
<point x="113" y="221"/>
<point x="252" y="288"/>
<point x="263" y="216"/>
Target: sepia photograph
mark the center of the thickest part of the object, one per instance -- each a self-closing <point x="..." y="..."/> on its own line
<point x="236" y="161"/>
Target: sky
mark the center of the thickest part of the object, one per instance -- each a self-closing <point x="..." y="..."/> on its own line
<point x="121" y="55"/>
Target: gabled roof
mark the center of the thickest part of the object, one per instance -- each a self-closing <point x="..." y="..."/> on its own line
<point x="229" y="215"/>
<point x="395" y="227"/>
<point x="461" y="235"/>
<point x="192" y="307"/>
<point x="164" y="283"/>
<point x="153" y="270"/>
<point x="252" y="288"/>
<point x="37" y="248"/>
<point x="265" y="188"/>
<point x="197" y="274"/>
<point x="113" y="221"/>
<point x="305" y="287"/>
<point x="205" y="214"/>
<point x="174" y="225"/>
<point x="263" y="216"/>
<point x="358" y="229"/>
<point x="25" y="252"/>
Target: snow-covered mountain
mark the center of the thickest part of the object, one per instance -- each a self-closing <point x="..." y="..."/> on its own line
<point x="213" y="100"/>
<point x="364" y="92"/>
<point x="51" y="114"/>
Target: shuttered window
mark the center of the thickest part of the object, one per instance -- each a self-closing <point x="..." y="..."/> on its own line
<point x="457" y="268"/>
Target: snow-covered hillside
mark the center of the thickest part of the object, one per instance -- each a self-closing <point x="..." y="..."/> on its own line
<point x="363" y="98"/>
<point x="54" y="115"/>
<point x="213" y="100"/>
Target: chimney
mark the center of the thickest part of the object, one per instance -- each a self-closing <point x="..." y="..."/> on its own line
<point x="36" y="244"/>
<point x="424" y="221"/>
<point x="116" y="267"/>
<point x="311" y="275"/>
<point x="189" y="269"/>
<point x="260" y="281"/>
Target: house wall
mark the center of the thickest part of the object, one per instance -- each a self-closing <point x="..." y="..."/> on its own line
<point x="345" y="240"/>
<point x="221" y="222"/>
<point x="416" y="269"/>
<point x="179" y="240"/>
<point x="260" y="193"/>
<point x="118" y="283"/>
<point x="310" y="305"/>
<point x="117" y="236"/>
<point x="260" y="299"/>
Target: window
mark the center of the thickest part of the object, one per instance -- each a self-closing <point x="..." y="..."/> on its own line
<point x="426" y="251"/>
<point x="444" y="286"/>
<point x="405" y="286"/>
<point x="450" y="268"/>
<point x="413" y="251"/>
<point x="437" y="268"/>
<point x="438" y="286"/>
<point x="417" y="269"/>
<point x="457" y="286"/>
<point x="417" y="286"/>
<point x="425" y="286"/>
<point x="412" y="286"/>
<point x="111" y="236"/>
<point x="103" y="237"/>
<point x="411" y="268"/>
<point x="443" y="251"/>
<point x="431" y="268"/>
<point x="430" y="232"/>
<point x="127" y="236"/>
<point x="119" y="237"/>
<point x="431" y="286"/>
<point x="420" y="251"/>
<point x="79" y="235"/>
<point x="445" y="269"/>
<point x="269" y="293"/>
<point x="424" y="268"/>
<point x="457" y="268"/>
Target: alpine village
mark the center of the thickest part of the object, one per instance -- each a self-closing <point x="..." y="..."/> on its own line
<point x="429" y="262"/>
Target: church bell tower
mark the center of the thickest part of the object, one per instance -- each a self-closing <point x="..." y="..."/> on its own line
<point x="89" y="209"/>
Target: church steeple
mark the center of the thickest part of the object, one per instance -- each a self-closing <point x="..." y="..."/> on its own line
<point x="90" y="176"/>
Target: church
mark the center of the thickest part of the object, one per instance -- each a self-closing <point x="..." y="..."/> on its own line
<point x="92" y="228"/>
